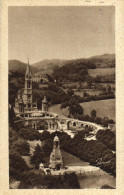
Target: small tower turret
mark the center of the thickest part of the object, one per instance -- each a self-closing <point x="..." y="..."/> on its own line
<point x="44" y="104"/>
<point x="56" y="161"/>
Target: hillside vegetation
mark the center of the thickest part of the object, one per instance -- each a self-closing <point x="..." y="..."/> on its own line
<point x="104" y="61"/>
<point x="19" y="67"/>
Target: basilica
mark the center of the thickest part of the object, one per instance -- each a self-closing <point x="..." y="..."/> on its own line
<point x="29" y="115"/>
<point x="26" y="109"/>
<point x="24" y="100"/>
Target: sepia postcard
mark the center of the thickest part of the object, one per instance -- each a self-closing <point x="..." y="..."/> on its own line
<point x="61" y="99"/>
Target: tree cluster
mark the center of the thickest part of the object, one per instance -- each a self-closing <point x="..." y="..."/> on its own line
<point x="96" y="152"/>
<point x="73" y="71"/>
<point x="40" y="181"/>
<point x="107" y="137"/>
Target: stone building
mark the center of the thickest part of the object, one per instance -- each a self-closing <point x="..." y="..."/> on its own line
<point x="43" y="79"/>
<point x="24" y="100"/>
<point x="26" y="109"/>
<point x="56" y="161"/>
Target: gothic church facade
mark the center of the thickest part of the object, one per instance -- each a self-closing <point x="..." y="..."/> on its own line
<point x="24" y="100"/>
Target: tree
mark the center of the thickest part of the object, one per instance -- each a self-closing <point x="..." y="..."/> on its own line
<point x="17" y="162"/>
<point x="89" y="83"/>
<point x="70" y="92"/>
<point x="45" y="135"/>
<point x="93" y="113"/>
<point x="107" y="187"/>
<point x="19" y="146"/>
<point x="38" y="156"/>
<point x="109" y="89"/>
<point x="98" y="120"/>
<point x="71" y="181"/>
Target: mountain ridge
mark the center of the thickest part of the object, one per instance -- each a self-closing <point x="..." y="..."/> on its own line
<point x="47" y="66"/>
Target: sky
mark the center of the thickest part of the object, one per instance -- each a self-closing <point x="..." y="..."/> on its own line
<point x="69" y="32"/>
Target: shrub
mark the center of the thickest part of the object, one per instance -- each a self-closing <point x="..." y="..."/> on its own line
<point x="93" y="113"/>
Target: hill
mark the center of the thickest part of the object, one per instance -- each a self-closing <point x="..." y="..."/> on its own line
<point x="105" y="60"/>
<point x="104" y="56"/>
<point x="47" y="66"/>
<point x="20" y="67"/>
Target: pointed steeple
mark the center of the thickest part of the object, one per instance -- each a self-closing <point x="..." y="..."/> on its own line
<point x="27" y="95"/>
<point x="28" y="72"/>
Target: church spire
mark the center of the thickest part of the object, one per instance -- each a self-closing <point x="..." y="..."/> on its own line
<point x="27" y="95"/>
<point x="28" y="72"/>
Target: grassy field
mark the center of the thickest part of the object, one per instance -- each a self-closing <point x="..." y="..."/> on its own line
<point x="97" y="181"/>
<point x="56" y="109"/>
<point x="104" y="108"/>
<point x="88" y="91"/>
<point x="101" y="71"/>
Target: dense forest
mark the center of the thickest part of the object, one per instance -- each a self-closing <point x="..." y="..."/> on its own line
<point x="76" y="71"/>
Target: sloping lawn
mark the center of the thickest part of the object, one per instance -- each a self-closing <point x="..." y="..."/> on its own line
<point x="104" y="108"/>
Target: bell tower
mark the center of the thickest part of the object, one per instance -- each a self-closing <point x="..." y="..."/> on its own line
<point x="27" y="95"/>
<point x="56" y="161"/>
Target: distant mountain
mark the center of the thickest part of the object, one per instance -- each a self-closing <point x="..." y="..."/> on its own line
<point x="104" y="56"/>
<point x="105" y="60"/>
<point x="15" y="65"/>
<point x="47" y="66"/>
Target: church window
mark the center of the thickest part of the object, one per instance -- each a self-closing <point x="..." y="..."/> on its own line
<point x="74" y="124"/>
<point x="56" y="144"/>
<point x="28" y="84"/>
